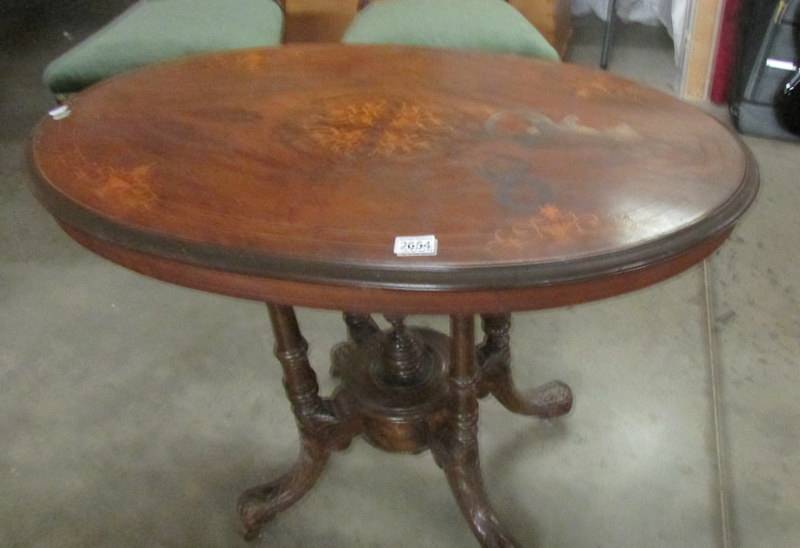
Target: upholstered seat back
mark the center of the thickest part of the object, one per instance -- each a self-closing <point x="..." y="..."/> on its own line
<point x="156" y="30"/>
<point x="488" y="25"/>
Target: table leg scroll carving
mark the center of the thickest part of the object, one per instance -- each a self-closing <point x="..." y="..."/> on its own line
<point x="464" y="476"/>
<point x="403" y="390"/>
<point x="552" y="399"/>
<point x="324" y="425"/>
<point x="260" y="504"/>
<point x="455" y="448"/>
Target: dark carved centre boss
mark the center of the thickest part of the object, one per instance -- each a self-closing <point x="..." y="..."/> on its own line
<point x="395" y="181"/>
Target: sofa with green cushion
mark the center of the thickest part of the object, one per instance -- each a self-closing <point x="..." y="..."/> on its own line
<point x="157" y="30"/>
<point x="488" y="25"/>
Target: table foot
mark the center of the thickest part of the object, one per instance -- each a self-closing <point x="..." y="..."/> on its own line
<point x="549" y="400"/>
<point x="325" y="425"/>
<point x="260" y="504"/>
<point x="455" y="446"/>
<point x="462" y="468"/>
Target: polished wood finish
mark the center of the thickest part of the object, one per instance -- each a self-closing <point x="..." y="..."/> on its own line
<point x="360" y="327"/>
<point x="304" y="163"/>
<point x="456" y="447"/>
<point x="396" y="385"/>
<point x="404" y="390"/>
<point x="494" y="358"/>
<point x="324" y="426"/>
<point x="284" y="176"/>
<point x="367" y="299"/>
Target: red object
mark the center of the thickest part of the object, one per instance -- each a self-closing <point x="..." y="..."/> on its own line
<point x="726" y="51"/>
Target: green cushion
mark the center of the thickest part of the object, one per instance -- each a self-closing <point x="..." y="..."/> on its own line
<point x="489" y="25"/>
<point x="156" y="30"/>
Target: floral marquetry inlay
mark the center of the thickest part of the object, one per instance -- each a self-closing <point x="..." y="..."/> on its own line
<point x="549" y="224"/>
<point x="382" y="127"/>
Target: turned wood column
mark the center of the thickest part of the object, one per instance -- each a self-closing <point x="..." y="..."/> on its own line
<point x="360" y="327"/>
<point x="463" y="381"/>
<point x="403" y="363"/>
<point x="497" y="338"/>
<point x="457" y="449"/>
<point x="299" y="379"/>
<point x="322" y="429"/>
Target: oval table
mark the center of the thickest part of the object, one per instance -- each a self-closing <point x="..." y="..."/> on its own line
<point x="383" y="179"/>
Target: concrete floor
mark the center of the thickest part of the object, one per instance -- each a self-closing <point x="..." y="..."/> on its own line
<point x="133" y="412"/>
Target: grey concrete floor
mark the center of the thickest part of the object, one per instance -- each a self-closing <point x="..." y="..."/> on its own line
<point x="133" y="412"/>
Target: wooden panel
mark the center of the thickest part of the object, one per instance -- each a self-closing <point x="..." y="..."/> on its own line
<point x="701" y="49"/>
<point x="318" y="20"/>
<point x="553" y="18"/>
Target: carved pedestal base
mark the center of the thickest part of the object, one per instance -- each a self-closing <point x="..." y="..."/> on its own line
<point x="397" y="417"/>
<point x="404" y="390"/>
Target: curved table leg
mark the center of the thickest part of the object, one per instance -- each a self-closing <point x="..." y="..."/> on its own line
<point x="464" y="476"/>
<point x="260" y="504"/>
<point x="324" y="425"/>
<point x="494" y="357"/>
<point x="456" y="445"/>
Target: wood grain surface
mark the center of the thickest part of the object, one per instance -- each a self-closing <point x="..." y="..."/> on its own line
<point x="370" y="299"/>
<point x="303" y="163"/>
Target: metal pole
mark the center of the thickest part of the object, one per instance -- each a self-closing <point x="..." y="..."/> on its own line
<point x="609" y="34"/>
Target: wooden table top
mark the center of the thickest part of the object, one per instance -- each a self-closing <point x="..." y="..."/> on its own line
<point x="303" y="164"/>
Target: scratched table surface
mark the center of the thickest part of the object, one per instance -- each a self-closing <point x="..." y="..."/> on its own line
<point x="306" y="162"/>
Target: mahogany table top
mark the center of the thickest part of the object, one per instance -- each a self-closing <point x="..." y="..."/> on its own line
<point x="302" y="164"/>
